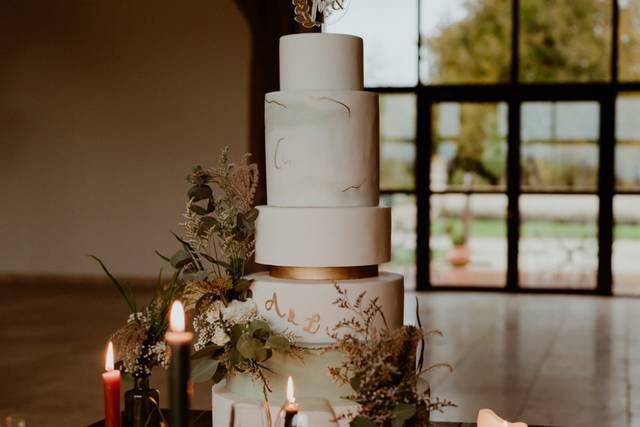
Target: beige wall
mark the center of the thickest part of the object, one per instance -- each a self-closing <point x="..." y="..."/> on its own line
<point x="104" y="107"/>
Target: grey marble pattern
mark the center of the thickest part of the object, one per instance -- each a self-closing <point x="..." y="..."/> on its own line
<point x="548" y="360"/>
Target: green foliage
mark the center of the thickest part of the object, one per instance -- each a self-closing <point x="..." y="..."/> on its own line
<point x="204" y="370"/>
<point x="140" y="341"/>
<point x="250" y="343"/>
<point x="124" y="290"/>
<point x="402" y="413"/>
<point x="383" y="366"/>
<point x="278" y="342"/>
<point x="455" y="231"/>
<point x="360" y="421"/>
<point x="219" y="232"/>
<point x="562" y="40"/>
<point x="559" y="41"/>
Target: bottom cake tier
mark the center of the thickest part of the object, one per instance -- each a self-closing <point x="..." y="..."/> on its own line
<point x="233" y="410"/>
<point x="310" y="376"/>
<point x="305" y="308"/>
<point x="240" y="402"/>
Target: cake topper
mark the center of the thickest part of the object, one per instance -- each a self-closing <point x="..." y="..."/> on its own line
<point x="315" y="13"/>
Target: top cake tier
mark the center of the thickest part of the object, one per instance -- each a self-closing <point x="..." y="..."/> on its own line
<point x="318" y="61"/>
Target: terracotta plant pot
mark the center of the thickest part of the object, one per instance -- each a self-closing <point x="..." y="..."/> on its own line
<point x="459" y="256"/>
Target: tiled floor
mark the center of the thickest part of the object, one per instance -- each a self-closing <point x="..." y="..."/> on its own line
<point x="560" y="360"/>
<point x="554" y="360"/>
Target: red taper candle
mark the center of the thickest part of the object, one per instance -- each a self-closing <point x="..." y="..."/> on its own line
<point x="111" y="383"/>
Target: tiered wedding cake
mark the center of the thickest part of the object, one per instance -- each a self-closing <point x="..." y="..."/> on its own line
<point x="322" y="224"/>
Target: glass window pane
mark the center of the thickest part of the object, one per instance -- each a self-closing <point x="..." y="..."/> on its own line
<point x="403" y="237"/>
<point x="629" y="40"/>
<point x="559" y="145"/>
<point x="627" y="156"/>
<point x="565" y="40"/>
<point x="397" y="139"/>
<point x="390" y="33"/>
<point x="469" y="146"/>
<point x="465" y="41"/>
<point x="468" y="240"/>
<point x="558" y="241"/>
<point x="626" y="246"/>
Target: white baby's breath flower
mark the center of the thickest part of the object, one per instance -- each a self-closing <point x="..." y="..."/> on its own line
<point x="213" y="312"/>
<point x="220" y="337"/>
<point x="240" y="311"/>
<point x="140" y="316"/>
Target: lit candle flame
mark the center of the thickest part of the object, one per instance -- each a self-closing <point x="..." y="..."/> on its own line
<point x="290" y="397"/>
<point x="108" y="364"/>
<point x="176" y="320"/>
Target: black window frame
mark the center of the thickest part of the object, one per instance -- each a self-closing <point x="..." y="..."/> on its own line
<point x="514" y="93"/>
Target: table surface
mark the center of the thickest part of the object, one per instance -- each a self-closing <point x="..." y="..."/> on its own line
<point x="203" y="419"/>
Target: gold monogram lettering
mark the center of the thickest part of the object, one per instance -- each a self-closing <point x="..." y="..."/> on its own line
<point x="273" y="303"/>
<point x="291" y="318"/>
<point x="312" y="325"/>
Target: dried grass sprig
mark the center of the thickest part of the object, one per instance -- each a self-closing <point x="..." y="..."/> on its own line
<point x="382" y="366"/>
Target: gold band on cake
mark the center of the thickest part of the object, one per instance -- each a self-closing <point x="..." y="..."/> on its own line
<point x="324" y="273"/>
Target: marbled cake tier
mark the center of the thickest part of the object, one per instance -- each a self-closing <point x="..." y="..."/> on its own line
<point x="323" y="237"/>
<point x="322" y="148"/>
<point x="305" y="307"/>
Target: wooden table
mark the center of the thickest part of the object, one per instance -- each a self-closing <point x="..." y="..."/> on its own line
<point x="203" y="419"/>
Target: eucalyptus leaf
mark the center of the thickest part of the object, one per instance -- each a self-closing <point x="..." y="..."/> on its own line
<point x="258" y="325"/>
<point x="200" y="192"/>
<point x="361" y="421"/>
<point x="402" y="413"/>
<point x="251" y="348"/>
<point x="234" y="356"/>
<point x="198" y="209"/>
<point x="277" y="342"/>
<point x="220" y="374"/>
<point x="243" y="285"/>
<point x="236" y="333"/>
<point x="204" y="370"/>
<point x="180" y="259"/>
<point x="355" y="382"/>
<point x="194" y="276"/>
<point x="206" y="351"/>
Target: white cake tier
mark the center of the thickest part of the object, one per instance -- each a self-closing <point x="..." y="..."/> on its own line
<point x="243" y="396"/>
<point x="322" y="148"/>
<point x="317" y="61"/>
<point x="323" y="237"/>
<point x="305" y="307"/>
<point x="233" y="410"/>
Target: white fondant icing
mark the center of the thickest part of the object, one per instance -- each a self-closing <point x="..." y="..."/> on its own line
<point x="305" y="307"/>
<point x="242" y="411"/>
<point x="317" y="61"/>
<point x="323" y="237"/>
<point x="322" y="184"/>
<point x="311" y="377"/>
<point x="233" y="410"/>
<point x="322" y="148"/>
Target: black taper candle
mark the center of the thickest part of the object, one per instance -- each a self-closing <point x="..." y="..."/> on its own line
<point x="179" y="344"/>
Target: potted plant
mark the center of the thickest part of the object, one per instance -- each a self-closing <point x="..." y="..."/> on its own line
<point x="458" y="255"/>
